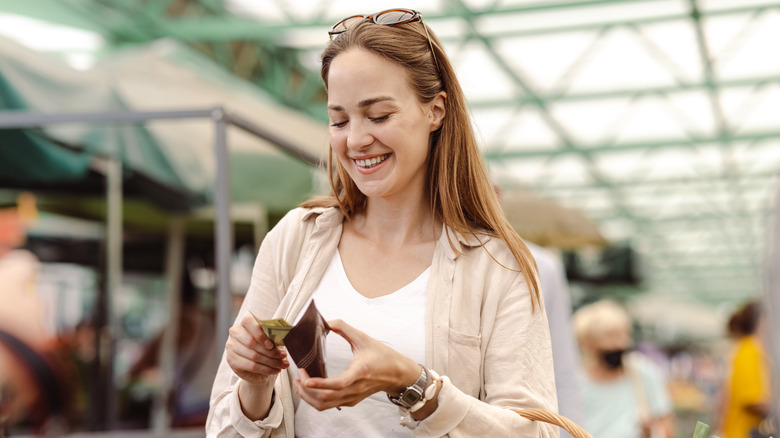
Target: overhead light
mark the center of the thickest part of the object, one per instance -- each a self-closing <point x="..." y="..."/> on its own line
<point x="77" y="45"/>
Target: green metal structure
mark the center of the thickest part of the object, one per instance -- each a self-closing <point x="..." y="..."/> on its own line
<point x="660" y="119"/>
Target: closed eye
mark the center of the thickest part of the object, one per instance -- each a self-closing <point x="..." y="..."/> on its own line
<point x="338" y="124"/>
<point x="380" y="119"/>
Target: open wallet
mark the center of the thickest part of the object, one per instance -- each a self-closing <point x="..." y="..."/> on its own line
<point x="305" y="341"/>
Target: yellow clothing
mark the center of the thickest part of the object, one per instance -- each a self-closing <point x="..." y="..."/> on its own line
<point x="747" y="385"/>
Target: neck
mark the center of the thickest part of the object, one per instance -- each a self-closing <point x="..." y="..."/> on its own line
<point x="395" y="224"/>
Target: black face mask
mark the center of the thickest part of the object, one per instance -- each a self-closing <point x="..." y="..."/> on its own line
<point x="613" y="359"/>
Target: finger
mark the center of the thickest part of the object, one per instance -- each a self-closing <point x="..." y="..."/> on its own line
<point x="346" y="331"/>
<point x="315" y="382"/>
<point x="244" y="335"/>
<point x="330" y="392"/>
<point x="310" y="382"/>
<point x="337" y="383"/>
<point x="322" y="399"/>
<point x="303" y="377"/>
<point x="241" y="364"/>
<point x="247" y="360"/>
<point x="249" y="323"/>
<point x="351" y="378"/>
<point x="270" y="359"/>
<point x="318" y="399"/>
<point x="302" y="393"/>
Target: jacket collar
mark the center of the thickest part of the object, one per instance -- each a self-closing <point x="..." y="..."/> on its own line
<point x="460" y="242"/>
<point x="328" y="217"/>
<point x="324" y="217"/>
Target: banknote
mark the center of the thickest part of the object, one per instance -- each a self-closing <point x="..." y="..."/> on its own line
<point x="275" y="329"/>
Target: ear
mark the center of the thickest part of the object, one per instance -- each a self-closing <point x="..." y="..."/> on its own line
<point x="437" y="110"/>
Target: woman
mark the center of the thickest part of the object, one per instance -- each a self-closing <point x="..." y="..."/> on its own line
<point x="746" y="390"/>
<point x="412" y="249"/>
<point x="624" y="394"/>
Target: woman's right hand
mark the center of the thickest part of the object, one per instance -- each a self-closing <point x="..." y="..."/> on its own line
<point x="251" y="355"/>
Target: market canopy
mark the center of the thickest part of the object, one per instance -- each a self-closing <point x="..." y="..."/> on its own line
<point x="167" y="73"/>
<point x="170" y="162"/>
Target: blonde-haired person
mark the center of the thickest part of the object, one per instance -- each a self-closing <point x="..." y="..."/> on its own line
<point x="410" y="259"/>
<point x="624" y="394"/>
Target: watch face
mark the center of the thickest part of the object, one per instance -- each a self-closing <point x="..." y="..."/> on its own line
<point x="411" y="396"/>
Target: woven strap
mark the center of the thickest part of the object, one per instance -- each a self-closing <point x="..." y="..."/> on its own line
<point x="559" y="420"/>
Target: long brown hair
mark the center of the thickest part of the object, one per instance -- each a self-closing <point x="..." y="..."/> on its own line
<point x="458" y="188"/>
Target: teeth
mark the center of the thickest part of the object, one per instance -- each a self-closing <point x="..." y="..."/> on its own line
<point x="371" y="162"/>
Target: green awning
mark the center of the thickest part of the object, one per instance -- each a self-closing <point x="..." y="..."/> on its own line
<point x="168" y="162"/>
<point x="27" y="160"/>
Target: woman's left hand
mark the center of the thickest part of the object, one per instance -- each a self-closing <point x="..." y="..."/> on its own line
<point x="375" y="367"/>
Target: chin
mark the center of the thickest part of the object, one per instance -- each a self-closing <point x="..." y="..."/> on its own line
<point x="370" y="193"/>
<point x="373" y="190"/>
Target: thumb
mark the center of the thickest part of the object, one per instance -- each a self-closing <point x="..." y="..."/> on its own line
<point x="346" y="331"/>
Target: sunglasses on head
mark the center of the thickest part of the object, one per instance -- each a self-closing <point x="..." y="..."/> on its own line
<point x="389" y="17"/>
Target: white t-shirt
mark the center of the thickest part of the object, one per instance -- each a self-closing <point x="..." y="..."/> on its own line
<point x="397" y="319"/>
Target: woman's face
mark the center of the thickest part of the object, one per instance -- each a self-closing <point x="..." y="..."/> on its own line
<point x="379" y="131"/>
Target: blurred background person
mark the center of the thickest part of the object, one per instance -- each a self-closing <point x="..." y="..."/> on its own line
<point x="624" y="394"/>
<point x="32" y="373"/>
<point x="18" y="269"/>
<point x="196" y="362"/>
<point x="746" y="387"/>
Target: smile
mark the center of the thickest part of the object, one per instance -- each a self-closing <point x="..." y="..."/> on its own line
<point x="371" y="162"/>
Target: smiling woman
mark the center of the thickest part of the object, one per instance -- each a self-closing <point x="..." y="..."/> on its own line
<point x="379" y="129"/>
<point x="433" y="300"/>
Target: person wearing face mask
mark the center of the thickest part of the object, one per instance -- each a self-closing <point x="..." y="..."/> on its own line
<point x="624" y="394"/>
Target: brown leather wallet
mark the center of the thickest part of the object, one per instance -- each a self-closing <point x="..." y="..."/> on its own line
<point x="306" y="342"/>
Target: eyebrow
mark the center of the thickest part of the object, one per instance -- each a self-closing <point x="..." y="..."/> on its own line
<point x="363" y="103"/>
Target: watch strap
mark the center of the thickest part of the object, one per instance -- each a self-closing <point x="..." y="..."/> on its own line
<point x="414" y="393"/>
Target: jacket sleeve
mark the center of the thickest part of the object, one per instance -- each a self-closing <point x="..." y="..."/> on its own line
<point x="270" y="277"/>
<point x="517" y="373"/>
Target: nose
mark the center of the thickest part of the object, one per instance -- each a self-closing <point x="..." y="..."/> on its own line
<point x="359" y="136"/>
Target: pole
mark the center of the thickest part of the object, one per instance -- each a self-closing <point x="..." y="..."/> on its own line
<point x="168" y="352"/>
<point x="222" y="230"/>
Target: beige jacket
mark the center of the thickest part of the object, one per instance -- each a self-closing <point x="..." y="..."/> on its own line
<point x="480" y="333"/>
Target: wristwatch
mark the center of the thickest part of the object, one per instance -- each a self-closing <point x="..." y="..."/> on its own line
<point x="412" y="394"/>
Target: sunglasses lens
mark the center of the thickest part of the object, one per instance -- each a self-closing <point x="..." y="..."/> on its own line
<point x="346" y="23"/>
<point x="394" y="17"/>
